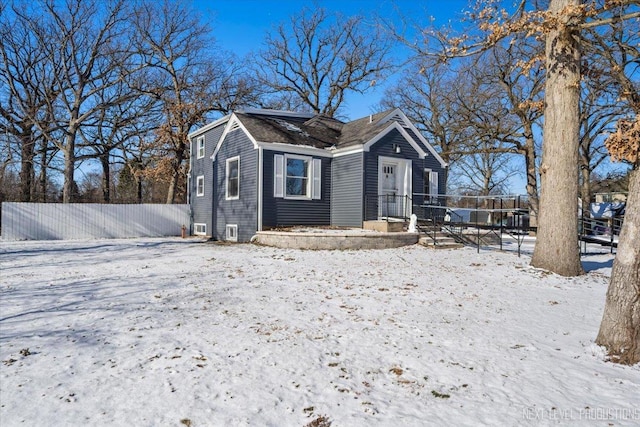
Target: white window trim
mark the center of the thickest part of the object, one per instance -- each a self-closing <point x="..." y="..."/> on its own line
<point x="200" y="233"/>
<point x="200" y="150"/>
<point x="228" y="236"/>
<point x="433" y="184"/>
<point x="309" y="161"/>
<point x="226" y="179"/>
<point x="199" y="179"/>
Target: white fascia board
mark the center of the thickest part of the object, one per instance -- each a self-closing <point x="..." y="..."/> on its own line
<point x="295" y="149"/>
<point x="415" y="130"/>
<point x="211" y="125"/>
<point x="232" y="121"/>
<point x="281" y="113"/>
<point x="397" y="126"/>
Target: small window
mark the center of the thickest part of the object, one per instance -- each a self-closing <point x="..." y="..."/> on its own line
<point x="200" y="186"/>
<point x="233" y="178"/>
<point x="200" y="229"/>
<point x="232" y="233"/>
<point x="200" y="144"/>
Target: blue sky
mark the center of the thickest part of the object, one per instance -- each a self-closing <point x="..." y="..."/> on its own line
<point x="240" y="26"/>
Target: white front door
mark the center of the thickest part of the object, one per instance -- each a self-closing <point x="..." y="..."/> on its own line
<point x="394" y="183"/>
<point x="388" y="203"/>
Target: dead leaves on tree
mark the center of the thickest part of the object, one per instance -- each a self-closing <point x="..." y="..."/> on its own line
<point x="624" y="144"/>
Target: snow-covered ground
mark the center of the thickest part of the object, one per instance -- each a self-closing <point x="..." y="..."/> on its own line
<point x="172" y="332"/>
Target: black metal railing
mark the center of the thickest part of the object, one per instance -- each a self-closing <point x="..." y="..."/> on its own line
<point x="601" y="230"/>
<point x="387" y="206"/>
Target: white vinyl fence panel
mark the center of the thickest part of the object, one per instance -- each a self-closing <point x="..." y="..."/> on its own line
<point x="57" y="221"/>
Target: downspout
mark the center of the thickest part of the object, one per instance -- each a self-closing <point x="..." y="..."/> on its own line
<point x="189" y="174"/>
<point x="189" y="188"/>
<point x="260" y="188"/>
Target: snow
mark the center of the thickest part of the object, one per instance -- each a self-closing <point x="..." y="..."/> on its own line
<point x="151" y="332"/>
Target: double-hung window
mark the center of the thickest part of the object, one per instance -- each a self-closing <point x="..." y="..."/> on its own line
<point x="200" y="186"/>
<point x="233" y="178"/>
<point x="200" y="146"/>
<point x="297" y="177"/>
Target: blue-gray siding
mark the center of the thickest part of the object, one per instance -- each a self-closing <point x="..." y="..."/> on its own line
<point x="347" y="196"/>
<point x="278" y="212"/>
<point x="202" y="206"/>
<point x="430" y="162"/>
<point x="384" y="147"/>
<point x="244" y="211"/>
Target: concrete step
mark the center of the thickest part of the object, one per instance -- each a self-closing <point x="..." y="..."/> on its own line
<point x="441" y="242"/>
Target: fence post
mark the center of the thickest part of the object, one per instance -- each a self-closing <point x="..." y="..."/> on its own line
<point x="477" y="227"/>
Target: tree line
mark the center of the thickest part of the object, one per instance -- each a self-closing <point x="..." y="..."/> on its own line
<point x="119" y="85"/>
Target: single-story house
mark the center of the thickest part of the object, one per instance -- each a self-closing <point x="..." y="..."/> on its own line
<point x="254" y="170"/>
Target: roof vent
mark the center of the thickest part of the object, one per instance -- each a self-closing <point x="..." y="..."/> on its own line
<point x="234" y="125"/>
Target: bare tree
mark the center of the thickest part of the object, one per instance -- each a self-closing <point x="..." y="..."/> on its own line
<point x="84" y="45"/>
<point x="610" y="89"/>
<point x="521" y="83"/>
<point x="485" y="172"/>
<point x="185" y="79"/>
<point x="599" y="109"/>
<point x="318" y="59"/>
<point x="496" y="97"/>
<point x="428" y="94"/>
<point x="27" y="85"/>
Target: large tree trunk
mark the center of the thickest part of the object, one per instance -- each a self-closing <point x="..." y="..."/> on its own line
<point x="42" y="176"/>
<point x="176" y="172"/>
<point x="620" y="327"/>
<point x="106" y="177"/>
<point x="27" y="154"/>
<point x="532" y="179"/>
<point x="69" y="186"/>
<point x="585" y="186"/>
<point x="557" y="247"/>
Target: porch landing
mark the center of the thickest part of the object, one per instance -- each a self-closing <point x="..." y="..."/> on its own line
<point x="329" y="239"/>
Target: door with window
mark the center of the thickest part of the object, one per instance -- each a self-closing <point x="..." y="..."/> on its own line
<point x="394" y="187"/>
<point x="389" y="191"/>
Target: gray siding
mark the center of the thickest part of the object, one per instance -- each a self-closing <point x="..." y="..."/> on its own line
<point x="244" y="211"/>
<point x="347" y="196"/>
<point x="202" y="206"/>
<point x="277" y="212"/>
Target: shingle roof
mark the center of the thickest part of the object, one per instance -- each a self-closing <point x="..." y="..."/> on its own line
<point x="319" y="131"/>
<point x="362" y="130"/>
